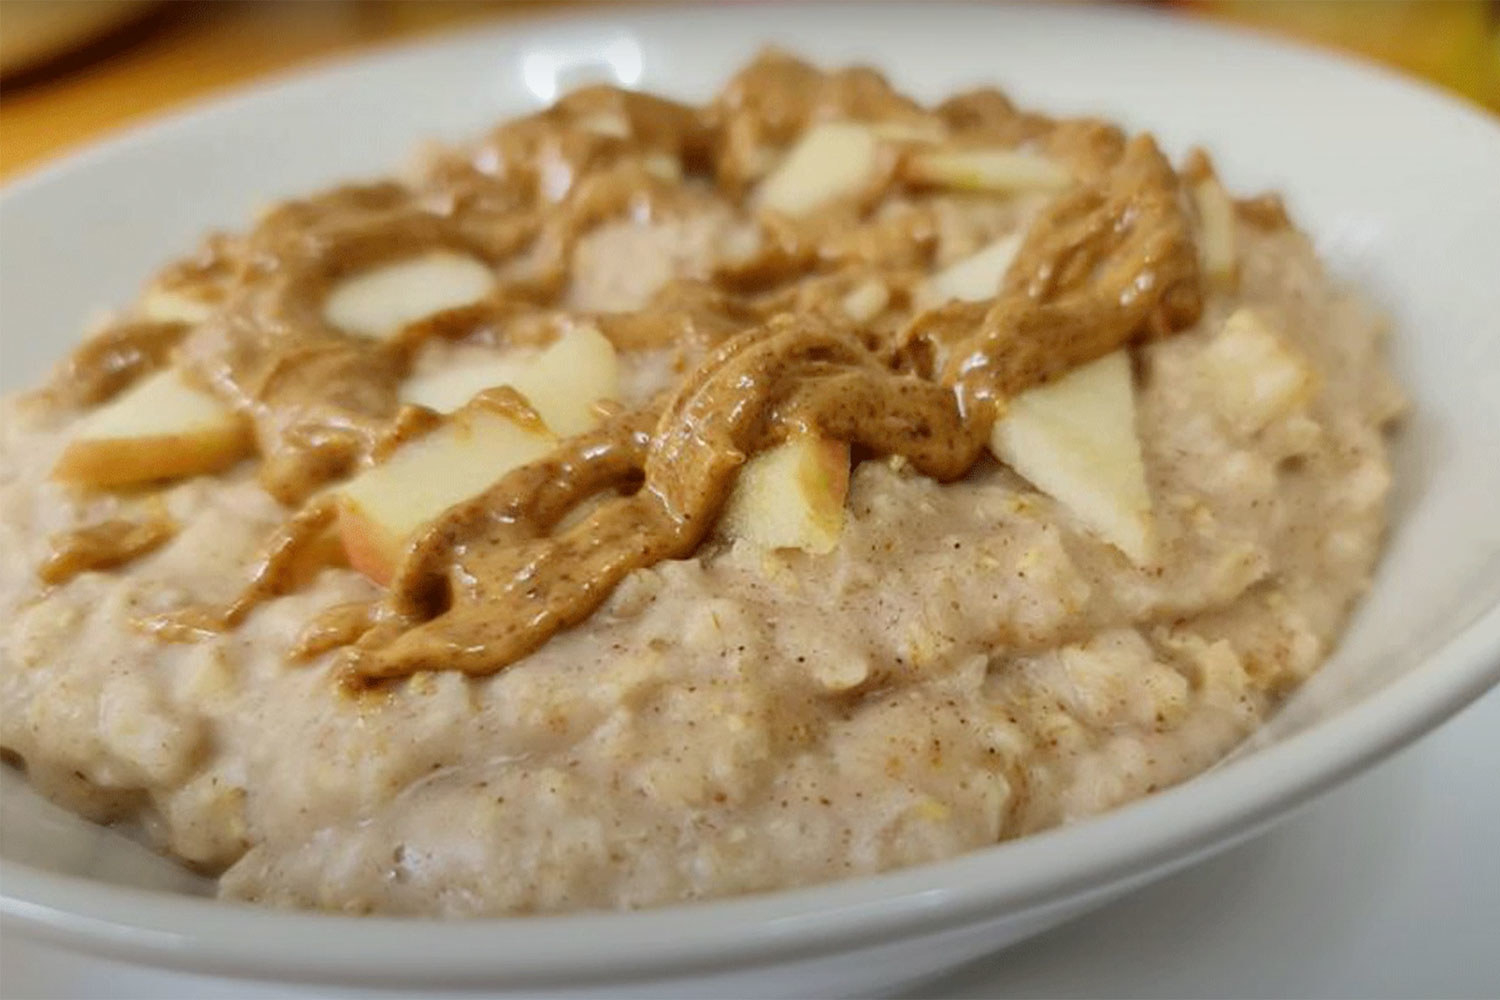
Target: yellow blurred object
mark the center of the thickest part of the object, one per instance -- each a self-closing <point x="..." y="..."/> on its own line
<point x="33" y="31"/>
<point x="192" y="49"/>
<point x="1455" y="43"/>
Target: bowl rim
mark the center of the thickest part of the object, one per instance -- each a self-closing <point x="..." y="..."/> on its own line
<point x="1168" y="829"/>
<point x="1212" y="811"/>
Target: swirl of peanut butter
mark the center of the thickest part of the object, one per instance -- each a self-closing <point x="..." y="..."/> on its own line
<point x="489" y="582"/>
<point x="767" y="354"/>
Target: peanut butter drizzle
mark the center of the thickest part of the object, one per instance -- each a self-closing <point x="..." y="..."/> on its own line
<point x="105" y="364"/>
<point x="1105" y="262"/>
<point x="485" y="584"/>
<point x="768" y="354"/>
<point x="103" y="545"/>
<point x="289" y="557"/>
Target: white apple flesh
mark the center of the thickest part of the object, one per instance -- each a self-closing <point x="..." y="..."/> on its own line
<point x="867" y="301"/>
<point x="1216" y="239"/>
<point x="159" y="428"/>
<point x="791" y="496"/>
<point x="997" y="171"/>
<point x="1075" y="440"/>
<point x="382" y="508"/>
<point x="383" y="300"/>
<point x="562" y="383"/>
<point x="1257" y="375"/>
<point x="977" y="277"/>
<point x="165" y="306"/>
<point x="832" y="160"/>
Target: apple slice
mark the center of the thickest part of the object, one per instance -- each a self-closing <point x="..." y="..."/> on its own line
<point x="380" y="509"/>
<point x="918" y="130"/>
<point x="1007" y="171"/>
<point x="977" y="277"/>
<point x="663" y="166"/>
<point x="609" y="124"/>
<point x="1216" y="243"/>
<point x="447" y="389"/>
<point x="562" y="383"/>
<point x="379" y="302"/>
<point x="1075" y="440"/>
<point x="867" y="300"/>
<point x="832" y="160"/>
<point x="791" y="496"/>
<point x="166" y="306"/>
<point x="1257" y="375"/>
<point x="159" y="428"/>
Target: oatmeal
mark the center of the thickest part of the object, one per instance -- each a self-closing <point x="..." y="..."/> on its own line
<point x="649" y="502"/>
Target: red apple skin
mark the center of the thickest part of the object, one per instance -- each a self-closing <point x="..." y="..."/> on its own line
<point x="104" y="463"/>
<point x="369" y="550"/>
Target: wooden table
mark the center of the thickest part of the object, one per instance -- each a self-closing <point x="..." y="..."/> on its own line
<point x="180" y="51"/>
<point x="184" y="50"/>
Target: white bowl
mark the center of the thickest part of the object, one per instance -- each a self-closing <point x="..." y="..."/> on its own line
<point x="1397" y="182"/>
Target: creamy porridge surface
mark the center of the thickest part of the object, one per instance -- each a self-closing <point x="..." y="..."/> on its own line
<point x="971" y="660"/>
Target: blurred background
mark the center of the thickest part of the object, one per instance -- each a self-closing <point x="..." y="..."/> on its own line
<point x="73" y="69"/>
